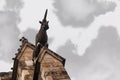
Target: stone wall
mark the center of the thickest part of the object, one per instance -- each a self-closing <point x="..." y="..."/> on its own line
<point x="5" y="75"/>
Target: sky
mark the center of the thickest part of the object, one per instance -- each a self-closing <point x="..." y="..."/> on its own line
<point x="85" y="32"/>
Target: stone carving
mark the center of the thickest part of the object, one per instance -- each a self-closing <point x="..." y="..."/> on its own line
<point x="41" y="37"/>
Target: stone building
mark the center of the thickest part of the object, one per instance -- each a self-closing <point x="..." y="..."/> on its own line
<point x="5" y="75"/>
<point x="37" y="62"/>
<point x="23" y="68"/>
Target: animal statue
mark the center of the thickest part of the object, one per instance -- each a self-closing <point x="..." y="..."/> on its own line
<point x="41" y="37"/>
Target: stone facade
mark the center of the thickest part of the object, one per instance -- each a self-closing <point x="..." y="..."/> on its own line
<point x="47" y="65"/>
<point x="51" y="66"/>
<point x="5" y="75"/>
<point x="23" y="68"/>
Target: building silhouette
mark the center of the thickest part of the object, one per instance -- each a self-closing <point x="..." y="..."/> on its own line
<point x="37" y="62"/>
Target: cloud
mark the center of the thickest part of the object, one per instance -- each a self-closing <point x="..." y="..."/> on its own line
<point x="81" y="12"/>
<point x="30" y="34"/>
<point x="14" y="5"/>
<point x="72" y="61"/>
<point x="2" y="3"/>
<point x="8" y="35"/>
<point x="9" y="19"/>
<point x="3" y="66"/>
<point x="101" y="60"/>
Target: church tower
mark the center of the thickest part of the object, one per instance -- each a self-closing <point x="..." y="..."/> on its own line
<point x="23" y="68"/>
<point x="38" y="62"/>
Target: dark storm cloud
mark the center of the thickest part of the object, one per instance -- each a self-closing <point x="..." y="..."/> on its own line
<point x="101" y="60"/>
<point x="81" y="12"/>
<point x="9" y="19"/>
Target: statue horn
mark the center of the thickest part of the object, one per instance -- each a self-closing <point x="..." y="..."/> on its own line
<point x="45" y="15"/>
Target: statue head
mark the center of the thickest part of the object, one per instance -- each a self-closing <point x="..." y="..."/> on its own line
<point x="44" y="25"/>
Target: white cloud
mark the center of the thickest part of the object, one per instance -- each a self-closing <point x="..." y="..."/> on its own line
<point x="2" y="4"/>
<point x="81" y="12"/>
<point x="8" y="35"/>
<point x="100" y="61"/>
<point x="32" y="12"/>
<point x="111" y="18"/>
<point x="9" y="41"/>
<point x="4" y="66"/>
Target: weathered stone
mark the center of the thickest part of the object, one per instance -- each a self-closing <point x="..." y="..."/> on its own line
<point x="5" y="75"/>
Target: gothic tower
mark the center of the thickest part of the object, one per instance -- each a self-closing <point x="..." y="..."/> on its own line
<point x="38" y="62"/>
